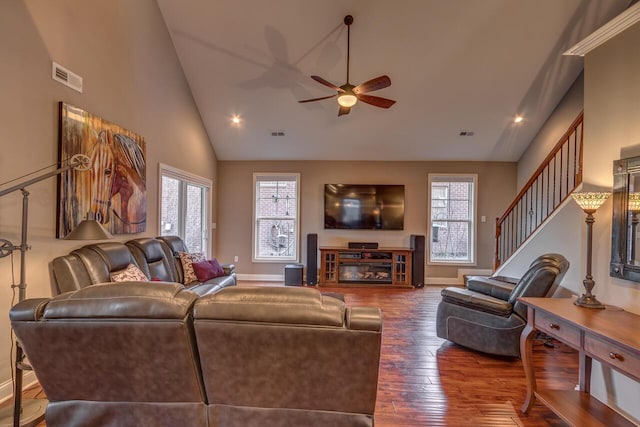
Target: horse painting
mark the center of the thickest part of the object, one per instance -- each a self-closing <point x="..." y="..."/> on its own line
<point x="102" y="168"/>
<point x="118" y="183"/>
<point x="113" y="191"/>
<point x="129" y="185"/>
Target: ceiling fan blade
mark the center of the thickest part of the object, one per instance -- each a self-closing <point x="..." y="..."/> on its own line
<point x="319" y="99"/>
<point x="326" y="83"/>
<point x="376" y="101"/>
<point x="343" y="110"/>
<point x="373" y="84"/>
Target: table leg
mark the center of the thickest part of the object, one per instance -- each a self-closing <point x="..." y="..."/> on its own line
<point x="526" y="352"/>
<point x="584" y="373"/>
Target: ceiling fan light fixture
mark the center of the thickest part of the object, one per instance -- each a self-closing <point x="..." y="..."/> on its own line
<point x="347" y="99"/>
<point x="348" y="95"/>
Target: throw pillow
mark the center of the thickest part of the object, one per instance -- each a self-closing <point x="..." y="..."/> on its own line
<point x="206" y="270"/>
<point x="129" y="274"/>
<point x="187" y="260"/>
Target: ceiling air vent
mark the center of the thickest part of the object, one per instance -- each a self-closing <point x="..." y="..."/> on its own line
<point x="466" y="133"/>
<point x="66" y="77"/>
<point x="277" y="133"/>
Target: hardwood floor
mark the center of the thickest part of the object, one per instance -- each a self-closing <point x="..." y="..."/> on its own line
<point x="427" y="381"/>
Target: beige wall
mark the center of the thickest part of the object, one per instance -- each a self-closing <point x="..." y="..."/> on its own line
<point x="554" y="127"/>
<point x="612" y="124"/>
<point x="132" y="77"/>
<point x="496" y="189"/>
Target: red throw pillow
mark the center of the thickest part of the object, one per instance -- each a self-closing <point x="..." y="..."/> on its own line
<point x="206" y="270"/>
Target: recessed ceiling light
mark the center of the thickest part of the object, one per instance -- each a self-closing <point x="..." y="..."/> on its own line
<point x="517" y="119"/>
<point x="235" y="120"/>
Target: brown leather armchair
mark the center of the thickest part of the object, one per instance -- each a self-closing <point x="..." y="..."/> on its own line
<point x="487" y="318"/>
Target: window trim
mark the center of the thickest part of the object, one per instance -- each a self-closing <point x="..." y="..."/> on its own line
<point x="189" y="178"/>
<point x="452" y="177"/>
<point x="275" y="176"/>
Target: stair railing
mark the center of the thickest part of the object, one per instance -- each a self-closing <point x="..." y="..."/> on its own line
<point x="554" y="180"/>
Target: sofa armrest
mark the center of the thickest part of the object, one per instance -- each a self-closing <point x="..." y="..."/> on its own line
<point x="228" y="269"/>
<point x="492" y="286"/>
<point x="477" y="301"/>
<point x="29" y="309"/>
<point x="364" y="319"/>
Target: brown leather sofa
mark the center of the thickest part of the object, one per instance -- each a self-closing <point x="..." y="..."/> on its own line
<point x="157" y="258"/>
<point x="157" y="354"/>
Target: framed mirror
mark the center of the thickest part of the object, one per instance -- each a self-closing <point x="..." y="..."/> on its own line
<point x="625" y="241"/>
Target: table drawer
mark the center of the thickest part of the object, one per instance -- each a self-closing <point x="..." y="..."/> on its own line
<point x="558" y="328"/>
<point x="612" y="354"/>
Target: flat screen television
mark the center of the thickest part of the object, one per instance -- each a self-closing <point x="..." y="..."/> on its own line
<point x="363" y="207"/>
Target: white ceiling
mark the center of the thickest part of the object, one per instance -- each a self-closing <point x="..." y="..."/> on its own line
<point x="455" y="65"/>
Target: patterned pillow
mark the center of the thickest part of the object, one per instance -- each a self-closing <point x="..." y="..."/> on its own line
<point x="129" y="274"/>
<point x="187" y="260"/>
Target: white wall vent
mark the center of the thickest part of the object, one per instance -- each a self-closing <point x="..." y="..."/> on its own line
<point x="66" y="77"/>
<point x="277" y="133"/>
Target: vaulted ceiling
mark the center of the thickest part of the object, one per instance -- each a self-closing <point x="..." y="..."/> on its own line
<point x="455" y="65"/>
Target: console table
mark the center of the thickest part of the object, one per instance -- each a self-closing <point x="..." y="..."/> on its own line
<point x="611" y="336"/>
<point x="355" y="267"/>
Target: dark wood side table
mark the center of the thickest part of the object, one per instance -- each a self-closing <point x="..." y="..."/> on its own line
<point x="610" y="336"/>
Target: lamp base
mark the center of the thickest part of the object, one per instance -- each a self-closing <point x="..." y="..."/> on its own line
<point x="588" y="301"/>
<point x="32" y="413"/>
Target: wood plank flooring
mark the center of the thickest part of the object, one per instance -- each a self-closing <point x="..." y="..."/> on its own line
<point x="427" y="381"/>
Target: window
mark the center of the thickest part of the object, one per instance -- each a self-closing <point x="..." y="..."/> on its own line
<point x="184" y="207"/>
<point x="275" y="226"/>
<point x="452" y="225"/>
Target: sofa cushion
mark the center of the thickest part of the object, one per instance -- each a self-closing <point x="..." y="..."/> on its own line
<point x="129" y="274"/>
<point x="187" y="260"/>
<point x="212" y="286"/>
<point x="206" y="270"/>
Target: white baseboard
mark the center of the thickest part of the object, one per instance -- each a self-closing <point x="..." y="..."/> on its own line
<point x="6" y="388"/>
<point x="261" y="277"/>
<point x="457" y="280"/>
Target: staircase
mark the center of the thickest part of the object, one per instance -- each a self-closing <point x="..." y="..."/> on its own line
<point x="554" y="180"/>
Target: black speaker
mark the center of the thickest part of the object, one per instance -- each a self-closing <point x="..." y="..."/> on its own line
<point x="312" y="259"/>
<point x="417" y="266"/>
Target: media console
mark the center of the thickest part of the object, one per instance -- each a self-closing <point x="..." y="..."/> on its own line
<point x="341" y="266"/>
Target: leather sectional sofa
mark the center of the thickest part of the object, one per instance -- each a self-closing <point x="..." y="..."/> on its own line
<point x="157" y="258"/>
<point x="159" y="354"/>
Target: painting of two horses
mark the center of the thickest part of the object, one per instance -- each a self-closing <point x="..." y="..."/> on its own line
<point x="113" y="191"/>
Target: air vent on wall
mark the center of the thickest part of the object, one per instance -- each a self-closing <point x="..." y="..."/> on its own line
<point x="277" y="133"/>
<point x="66" y="77"/>
<point x="466" y="133"/>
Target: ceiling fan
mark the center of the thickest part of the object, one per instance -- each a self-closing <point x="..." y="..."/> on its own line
<point x="349" y="94"/>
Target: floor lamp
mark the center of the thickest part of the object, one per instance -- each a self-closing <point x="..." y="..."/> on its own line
<point x="31" y="412"/>
<point x="589" y="202"/>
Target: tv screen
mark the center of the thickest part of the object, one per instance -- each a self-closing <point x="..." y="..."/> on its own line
<point x="364" y="207"/>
